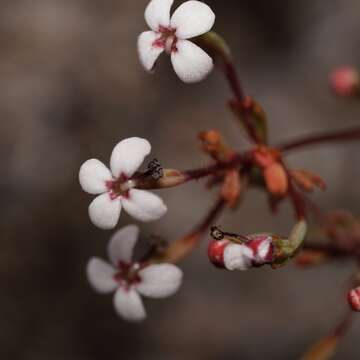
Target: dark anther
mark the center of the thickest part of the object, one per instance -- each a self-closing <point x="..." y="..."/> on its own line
<point x="155" y="169"/>
<point x="216" y="233"/>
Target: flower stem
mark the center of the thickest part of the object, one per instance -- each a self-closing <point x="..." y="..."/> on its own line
<point x="182" y="247"/>
<point x="337" y="136"/>
<point x="217" y="47"/>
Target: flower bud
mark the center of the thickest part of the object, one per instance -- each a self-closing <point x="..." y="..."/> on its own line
<point x="262" y="247"/>
<point x="216" y="250"/>
<point x="345" y="81"/>
<point x="354" y="298"/>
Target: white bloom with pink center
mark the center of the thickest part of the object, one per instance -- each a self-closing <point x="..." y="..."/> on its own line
<point x="171" y="34"/>
<point x="129" y="279"/>
<point x="116" y="188"/>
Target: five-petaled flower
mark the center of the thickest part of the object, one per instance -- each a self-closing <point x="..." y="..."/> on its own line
<point x="117" y="188"/>
<point x="131" y="279"/>
<point x="191" y="19"/>
<point x="257" y="251"/>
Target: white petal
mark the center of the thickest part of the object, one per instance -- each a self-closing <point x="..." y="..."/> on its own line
<point x="144" y="205"/>
<point x="190" y="62"/>
<point x="128" y="155"/>
<point x="237" y="257"/>
<point x="121" y="244"/>
<point x="159" y="281"/>
<point x="157" y="13"/>
<point x="93" y="175"/>
<point x="192" y="18"/>
<point x="149" y="50"/>
<point x="263" y="249"/>
<point x="128" y="304"/>
<point x="104" y="212"/>
<point x="100" y="275"/>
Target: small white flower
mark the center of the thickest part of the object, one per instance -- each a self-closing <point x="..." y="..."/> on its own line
<point x="191" y="19"/>
<point x="129" y="279"/>
<point x="116" y="188"/>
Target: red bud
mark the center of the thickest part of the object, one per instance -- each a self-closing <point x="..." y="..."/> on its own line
<point x="354" y="299"/>
<point x="345" y="81"/>
<point x="216" y="252"/>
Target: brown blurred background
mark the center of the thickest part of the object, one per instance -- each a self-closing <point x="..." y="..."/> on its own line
<point x="71" y="87"/>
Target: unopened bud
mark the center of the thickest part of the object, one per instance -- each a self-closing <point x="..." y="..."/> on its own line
<point x="345" y="81"/>
<point x="262" y="247"/>
<point x="354" y="299"/>
<point x="216" y="250"/>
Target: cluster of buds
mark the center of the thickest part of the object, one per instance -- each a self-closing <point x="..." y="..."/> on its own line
<point x="237" y="252"/>
<point x="213" y="144"/>
<point x="275" y="176"/>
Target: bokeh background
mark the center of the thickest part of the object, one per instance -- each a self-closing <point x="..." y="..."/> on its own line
<point x="71" y="87"/>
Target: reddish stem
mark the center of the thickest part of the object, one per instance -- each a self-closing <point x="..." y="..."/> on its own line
<point x="240" y="97"/>
<point x="344" y="325"/>
<point x="338" y="136"/>
<point x="236" y="161"/>
<point x="180" y="248"/>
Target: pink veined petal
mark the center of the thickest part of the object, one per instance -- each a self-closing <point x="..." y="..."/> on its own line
<point x="144" y="205"/>
<point x="105" y="212"/>
<point x="191" y="63"/>
<point x="192" y="18"/>
<point x="238" y="257"/>
<point x="128" y="304"/>
<point x="128" y="155"/>
<point x="157" y="13"/>
<point x="100" y="275"/>
<point x="93" y="175"/>
<point x="121" y="244"/>
<point x="158" y="281"/>
<point x="263" y="249"/>
<point x="149" y="50"/>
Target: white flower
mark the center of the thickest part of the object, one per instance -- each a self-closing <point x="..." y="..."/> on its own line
<point x="191" y="19"/>
<point x="117" y="187"/>
<point x="129" y="279"/>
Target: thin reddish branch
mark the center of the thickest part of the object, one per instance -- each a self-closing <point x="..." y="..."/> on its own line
<point x="240" y="96"/>
<point x="180" y="248"/>
<point x="344" y="324"/>
<point x="327" y="249"/>
<point x="234" y="81"/>
<point x="336" y="136"/>
<point x="236" y="161"/>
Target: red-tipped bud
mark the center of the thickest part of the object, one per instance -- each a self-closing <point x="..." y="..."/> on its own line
<point x="216" y="250"/>
<point x="354" y="299"/>
<point x="262" y="247"/>
<point x="345" y="81"/>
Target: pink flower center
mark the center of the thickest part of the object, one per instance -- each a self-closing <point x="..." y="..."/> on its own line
<point x="127" y="274"/>
<point x="167" y="39"/>
<point x="119" y="187"/>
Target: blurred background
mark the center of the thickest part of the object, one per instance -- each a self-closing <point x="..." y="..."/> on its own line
<point x="71" y="87"/>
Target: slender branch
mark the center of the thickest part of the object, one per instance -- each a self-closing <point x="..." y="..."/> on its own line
<point x="236" y="161"/>
<point x="217" y="47"/>
<point x="328" y="249"/>
<point x="337" y="136"/>
<point x="344" y="324"/>
<point x="182" y="247"/>
<point x="234" y="81"/>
